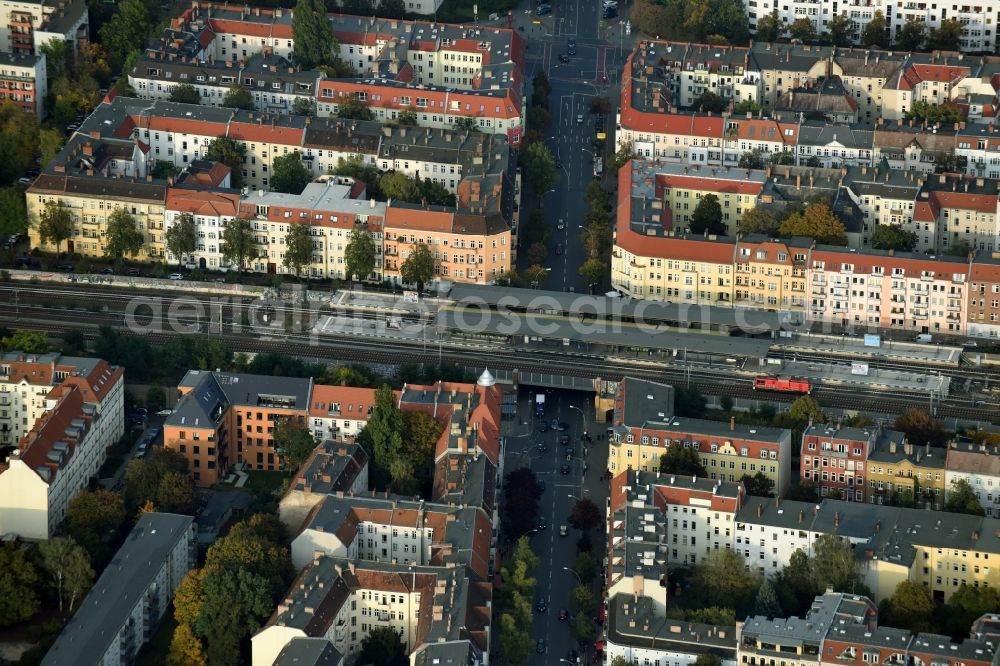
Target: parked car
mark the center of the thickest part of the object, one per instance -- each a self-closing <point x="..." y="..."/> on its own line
<point x="132" y="272"/>
<point x="66" y="268"/>
<point x="164" y="412"/>
<point x="540" y="646"/>
<point x="108" y="271"/>
<point x="540" y="606"/>
<point x="563" y="531"/>
<point x="564" y="58"/>
<point x="175" y="276"/>
<point x="544" y="10"/>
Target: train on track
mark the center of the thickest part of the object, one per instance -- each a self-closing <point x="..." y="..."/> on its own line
<point x="782" y="384"/>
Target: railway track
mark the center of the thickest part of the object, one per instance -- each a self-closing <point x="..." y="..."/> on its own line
<point x="56" y="321"/>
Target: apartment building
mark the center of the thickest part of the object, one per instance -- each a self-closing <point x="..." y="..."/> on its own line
<point x="979" y="466"/>
<point x="885" y="289"/>
<point x="434" y="609"/>
<point x="768" y="531"/>
<point x="23" y="81"/>
<point x="638" y="633"/>
<point x="120" y="613"/>
<point x="961" y="209"/>
<point x="339" y="413"/>
<point x="983" y="310"/>
<point x="27" y="25"/>
<point x="331" y="209"/>
<point x="62" y="413"/>
<point x="898" y="471"/>
<point x="222" y="419"/>
<point x="833" y="458"/>
<point x="445" y="73"/>
<point x="640" y="435"/>
<point x="771" y="273"/>
<point x="273" y="82"/>
<point x="388" y="529"/>
<point x="210" y="211"/>
<point x="332" y="468"/>
<point x="835" y="145"/>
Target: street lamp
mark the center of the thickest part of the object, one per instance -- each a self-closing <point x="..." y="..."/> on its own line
<point x="572" y="571"/>
<point x="583" y="414"/>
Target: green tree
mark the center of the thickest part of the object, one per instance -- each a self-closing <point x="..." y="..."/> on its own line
<point x="156" y="398"/>
<point x="707" y="216"/>
<point x="128" y="29"/>
<point x="382" y="647"/>
<point x="689" y="402"/>
<point x="962" y="499"/>
<point x="382" y="436"/>
<point x="18" y="581"/>
<point x="238" y="97"/>
<point x="55" y="223"/>
<point x="585" y="568"/>
<point x="758" y="484"/>
<point x="891" y="237"/>
<point x="418" y="268"/>
<point x="185" y="648"/>
<point x="421" y="432"/>
<point x="624" y="155"/>
<point x="840" y="29"/>
<point x="593" y="271"/>
<point x="946" y="37"/>
<point x="539" y="167"/>
<point x="537" y="253"/>
<point x="967" y="604"/>
<point x="289" y="174"/>
<point x="515" y="641"/>
<point x="94" y="516"/>
<point x="805" y="408"/>
<point x="294" y="443"/>
<point x="30" y="342"/>
<point x="683" y="460"/>
<point x="239" y="244"/>
<point x="185" y="93"/>
<point x="535" y="275"/>
<point x="803" y="30"/>
<point x="876" y="33"/>
<point x="752" y="159"/>
<point x="181" y="237"/>
<point x="397" y="185"/>
<point x="352" y="108"/>
<point x="175" y="494"/>
<point x="911" y="35"/>
<point x="189" y="598"/>
<point x="360" y="254"/>
<point x="237" y="601"/>
<point x="709" y="102"/>
<point x="708" y="659"/>
<point x="910" y="607"/>
<point x="920" y="428"/>
<point x="68" y="566"/>
<point x="818" y="222"/>
<point x="408" y="116"/>
<point x="722" y="579"/>
<point x="303" y="106"/>
<point x="143" y="476"/>
<point x="759" y="221"/>
<point x="313" y="34"/>
<point x="581" y="600"/>
<point x="230" y="153"/>
<point x="583" y="628"/>
<point x="766" y="603"/>
<point x="833" y="564"/>
<point x="50" y="142"/>
<point x="585" y="515"/>
<point x="123" y="234"/>
<point x="770" y="28"/>
<point x="934" y="113"/>
<point x="298" y="247"/>
<point x="745" y="107"/>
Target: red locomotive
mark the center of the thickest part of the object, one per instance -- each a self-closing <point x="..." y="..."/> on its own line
<point x="782" y="384"/>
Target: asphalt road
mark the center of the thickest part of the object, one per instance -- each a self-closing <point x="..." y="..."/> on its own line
<point x="561" y="492"/>
<point x="593" y="71"/>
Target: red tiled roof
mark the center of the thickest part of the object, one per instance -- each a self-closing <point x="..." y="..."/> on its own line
<point x="201" y="202"/>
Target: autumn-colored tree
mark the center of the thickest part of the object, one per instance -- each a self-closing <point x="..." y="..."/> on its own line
<point x="185" y="648"/>
<point x="818" y="222"/>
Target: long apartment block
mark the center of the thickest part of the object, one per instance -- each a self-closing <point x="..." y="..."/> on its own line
<point x="656" y="257"/>
<point x="940" y="550"/>
<point x="61" y="414"/>
<point x="109" y="164"/>
<point x="446" y="74"/>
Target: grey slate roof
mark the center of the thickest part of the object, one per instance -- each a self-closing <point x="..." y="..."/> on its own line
<point x="109" y="603"/>
<point x="306" y="651"/>
<point x="646" y="402"/>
